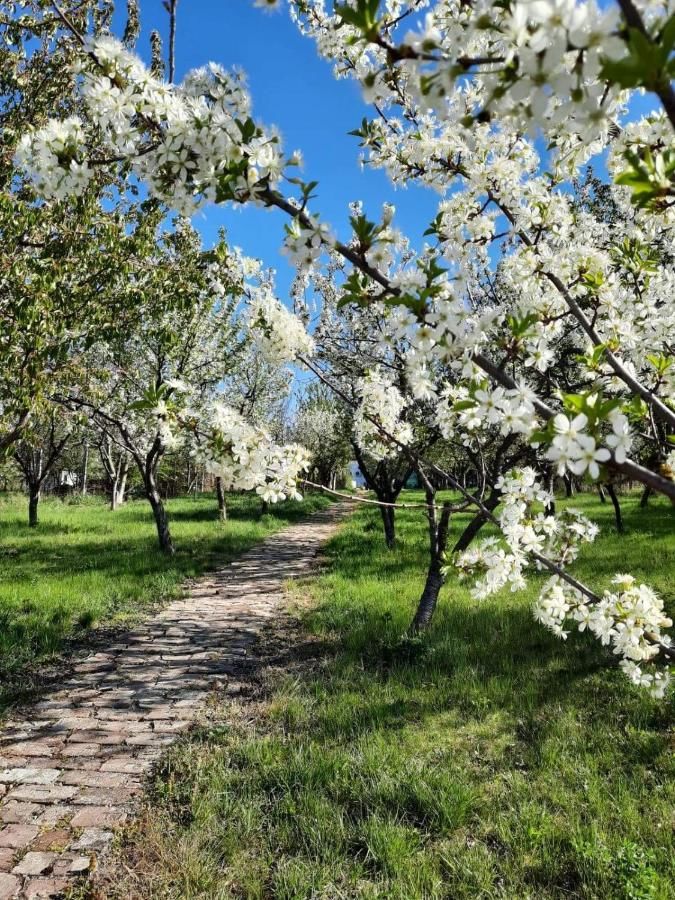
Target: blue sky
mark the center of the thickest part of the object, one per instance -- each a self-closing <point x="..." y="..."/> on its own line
<point x="295" y="90"/>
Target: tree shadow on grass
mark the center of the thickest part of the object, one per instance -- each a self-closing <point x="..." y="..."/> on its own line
<point x="477" y="657"/>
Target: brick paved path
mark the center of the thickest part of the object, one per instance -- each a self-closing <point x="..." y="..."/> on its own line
<point x="71" y="765"/>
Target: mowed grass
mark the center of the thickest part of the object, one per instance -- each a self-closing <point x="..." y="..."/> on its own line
<point x="85" y="565"/>
<point x="489" y="760"/>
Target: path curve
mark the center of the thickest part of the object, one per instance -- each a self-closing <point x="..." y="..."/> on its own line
<point x="72" y="765"/>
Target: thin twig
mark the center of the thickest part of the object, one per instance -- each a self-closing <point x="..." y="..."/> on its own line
<point x="171" y="6"/>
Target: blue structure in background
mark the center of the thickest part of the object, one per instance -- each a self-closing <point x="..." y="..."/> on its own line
<point x="356" y="475"/>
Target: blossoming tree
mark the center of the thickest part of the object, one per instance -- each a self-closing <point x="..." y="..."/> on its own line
<point x="458" y="98"/>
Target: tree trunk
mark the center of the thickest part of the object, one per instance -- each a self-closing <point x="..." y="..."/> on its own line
<point x="118" y="483"/>
<point x="85" y="469"/>
<point x="161" y="518"/>
<point x="569" y="487"/>
<point x="429" y="599"/>
<point x="264" y="508"/>
<point x="644" y="499"/>
<point x="33" y="500"/>
<point x="114" y="496"/>
<point x="389" y="522"/>
<point x="617" y="508"/>
<point x="601" y="494"/>
<point x="220" y="494"/>
<point x="438" y="539"/>
<point x="122" y="481"/>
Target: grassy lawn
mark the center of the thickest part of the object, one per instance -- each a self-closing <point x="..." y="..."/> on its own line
<point x="489" y="760"/>
<point x="85" y="565"/>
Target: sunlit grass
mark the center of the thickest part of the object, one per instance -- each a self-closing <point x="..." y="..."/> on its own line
<point x="85" y="565"/>
<point x="488" y="760"/>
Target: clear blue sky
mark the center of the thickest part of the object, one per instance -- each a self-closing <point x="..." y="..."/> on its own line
<point x="295" y="90"/>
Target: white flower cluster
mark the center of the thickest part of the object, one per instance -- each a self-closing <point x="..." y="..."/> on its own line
<point x="246" y="458"/>
<point x="630" y="619"/>
<point x="167" y="426"/>
<point x="527" y="534"/>
<point x="57" y="158"/>
<point x="189" y="144"/>
<point x="574" y="449"/>
<point x="281" y="336"/>
<point x="304" y="244"/>
<point x="530" y="62"/>
<point x="378" y="427"/>
<point x="470" y="411"/>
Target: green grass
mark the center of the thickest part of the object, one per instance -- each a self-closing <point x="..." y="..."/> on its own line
<point x="85" y="565"/>
<point x="488" y="760"/>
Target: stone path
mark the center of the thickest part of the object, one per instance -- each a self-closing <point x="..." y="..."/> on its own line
<point x="72" y="764"/>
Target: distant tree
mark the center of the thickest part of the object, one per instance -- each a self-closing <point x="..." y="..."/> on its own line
<point x="37" y="453"/>
<point x="322" y="425"/>
<point x="183" y="343"/>
<point x="115" y="459"/>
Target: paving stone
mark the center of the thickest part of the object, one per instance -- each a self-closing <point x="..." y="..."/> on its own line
<point x="128" y="764"/>
<point x="94" y="779"/>
<point x="38" y="793"/>
<point x="55" y="814"/>
<point x="82" y="763"/>
<point x="98" y="817"/>
<point x="6" y="859"/>
<point x="17" y="836"/>
<point x="34" y="863"/>
<point x="151" y="739"/>
<point x="20" y="813"/>
<point x="170" y="727"/>
<point x="39" y="888"/>
<point x="7" y="762"/>
<point x="29" y="776"/>
<point x="56" y="839"/>
<point x="105" y="796"/>
<point x="9" y="886"/>
<point x="80" y="865"/>
<point x="81" y="750"/>
<point x="31" y="748"/>
<point x="96" y="839"/>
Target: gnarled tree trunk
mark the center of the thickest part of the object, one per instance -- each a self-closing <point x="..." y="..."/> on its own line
<point x="84" y="474"/>
<point x="33" y="501"/>
<point x="159" y="512"/>
<point x="118" y="485"/>
<point x="617" y="508"/>
<point x="220" y="494"/>
<point x="438" y="539"/>
<point x="121" y="486"/>
<point x="386" y="484"/>
<point x="429" y="599"/>
<point x="36" y="463"/>
<point x="389" y="522"/>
